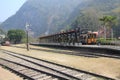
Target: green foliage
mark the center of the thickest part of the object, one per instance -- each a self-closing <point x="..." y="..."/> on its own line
<point x="108" y="21"/>
<point x="16" y="36"/>
<point x="104" y="41"/>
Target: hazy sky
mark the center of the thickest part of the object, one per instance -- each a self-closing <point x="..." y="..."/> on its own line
<point x="9" y="8"/>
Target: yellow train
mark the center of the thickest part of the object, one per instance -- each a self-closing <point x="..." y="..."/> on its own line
<point x="88" y="38"/>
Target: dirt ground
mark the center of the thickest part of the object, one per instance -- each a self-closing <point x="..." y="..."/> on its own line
<point x="7" y="75"/>
<point x="104" y="66"/>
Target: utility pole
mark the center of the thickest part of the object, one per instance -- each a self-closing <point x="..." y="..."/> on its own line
<point x="27" y="40"/>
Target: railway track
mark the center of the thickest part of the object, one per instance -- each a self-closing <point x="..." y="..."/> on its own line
<point x="36" y="69"/>
<point x="26" y="72"/>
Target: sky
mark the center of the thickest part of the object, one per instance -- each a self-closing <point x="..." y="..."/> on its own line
<point x="9" y="8"/>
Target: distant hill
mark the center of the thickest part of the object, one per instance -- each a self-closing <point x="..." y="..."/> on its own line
<point x="50" y="16"/>
<point x="88" y="16"/>
<point x="1" y="31"/>
<point x="44" y="16"/>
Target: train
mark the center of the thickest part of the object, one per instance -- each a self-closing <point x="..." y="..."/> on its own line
<point x="70" y="37"/>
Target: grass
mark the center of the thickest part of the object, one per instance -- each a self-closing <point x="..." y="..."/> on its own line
<point x="108" y="41"/>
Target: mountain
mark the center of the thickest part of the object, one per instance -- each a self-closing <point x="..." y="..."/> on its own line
<point x="1" y="31"/>
<point x="44" y="16"/>
<point x="51" y="16"/>
<point x="92" y="10"/>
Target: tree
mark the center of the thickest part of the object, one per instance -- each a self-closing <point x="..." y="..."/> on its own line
<point x="16" y="36"/>
<point x="87" y="19"/>
<point x="108" y="22"/>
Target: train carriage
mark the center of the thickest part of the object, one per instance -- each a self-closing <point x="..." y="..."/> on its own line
<point x="70" y="37"/>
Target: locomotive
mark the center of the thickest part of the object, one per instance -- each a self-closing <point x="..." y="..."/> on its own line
<point x="70" y="37"/>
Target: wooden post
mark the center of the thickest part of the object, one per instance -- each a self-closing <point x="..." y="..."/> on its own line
<point x="27" y="40"/>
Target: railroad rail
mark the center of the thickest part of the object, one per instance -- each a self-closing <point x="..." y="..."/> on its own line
<point x="26" y="72"/>
<point x="36" y="69"/>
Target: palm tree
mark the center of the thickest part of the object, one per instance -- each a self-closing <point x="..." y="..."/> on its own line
<point x="108" y="22"/>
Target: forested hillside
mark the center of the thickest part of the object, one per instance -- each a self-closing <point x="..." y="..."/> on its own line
<point x="93" y="10"/>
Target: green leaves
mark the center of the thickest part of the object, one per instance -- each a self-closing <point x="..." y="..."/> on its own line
<point x="108" y="21"/>
<point x="15" y="36"/>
